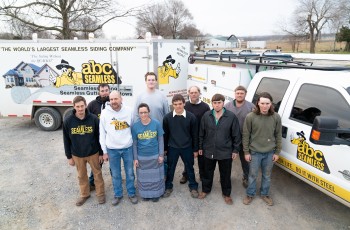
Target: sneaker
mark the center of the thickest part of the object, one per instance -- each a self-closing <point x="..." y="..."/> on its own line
<point x="228" y="200"/>
<point x="202" y="195"/>
<point x="92" y="187"/>
<point x="81" y="201"/>
<point x="183" y="180"/>
<point x="133" y="199"/>
<point x="245" y="182"/>
<point x="116" y="200"/>
<point x="101" y="199"/>
<point x="268" y="200"/>
<point x="167" y="192"/>
<point x="194" y="193"/>
<point x="247" y="200"/>
<point x="155" y="199"/>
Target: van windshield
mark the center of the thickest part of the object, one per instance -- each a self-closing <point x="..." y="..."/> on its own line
<point x="348" y="90"/>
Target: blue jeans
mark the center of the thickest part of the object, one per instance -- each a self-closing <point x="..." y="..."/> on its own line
<point x="115" y="156"/>
<point x="263" y="161"/>
<point x="187" y="157"/>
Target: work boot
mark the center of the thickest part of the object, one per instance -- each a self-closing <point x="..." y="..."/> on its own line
<point x="202" y="195"/>
<point x="133" y="199"/>
<point x="116" y="200"/>
<point x="183" y="180"/>
<point x="194" y="193"/>
<point x="227" y="199"/>
<point x="268" y="200"/>
<point x="81" y="201"/>
<point x="101" y="199"/>
<point x="167" y="192"/>
<point x="247" y="200"/>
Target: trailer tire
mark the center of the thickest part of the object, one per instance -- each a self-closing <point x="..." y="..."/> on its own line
<point x="67" y="112"/>
<point x="48" y="119"/>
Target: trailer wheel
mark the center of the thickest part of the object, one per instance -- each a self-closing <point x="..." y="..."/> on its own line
<point x="67" y="112"/>
<point x="47" y="119"/>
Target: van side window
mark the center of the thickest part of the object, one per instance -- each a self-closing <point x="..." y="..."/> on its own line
<point x="276" y="87"/>
<point x="315" y="100"/>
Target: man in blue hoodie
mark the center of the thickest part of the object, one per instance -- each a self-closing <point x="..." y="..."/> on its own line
<point x="81" y="145"/>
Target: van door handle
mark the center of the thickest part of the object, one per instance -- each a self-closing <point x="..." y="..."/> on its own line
<point x="284" y="131"/>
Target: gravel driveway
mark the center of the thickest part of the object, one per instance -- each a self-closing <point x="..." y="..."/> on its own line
<point x="39" y="189"/>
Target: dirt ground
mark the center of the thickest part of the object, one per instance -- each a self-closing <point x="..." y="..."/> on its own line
<point x="39" y="189"/>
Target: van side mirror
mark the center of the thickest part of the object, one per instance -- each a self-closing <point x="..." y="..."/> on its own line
<point x="324" y="132"/>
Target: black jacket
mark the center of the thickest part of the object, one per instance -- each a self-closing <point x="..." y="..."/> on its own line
<point x="221" y="140"/>
<point x="81" y="137"/>
<point x="97" y="105"/>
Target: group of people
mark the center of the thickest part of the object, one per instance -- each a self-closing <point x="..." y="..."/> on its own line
<point x="151" y="139"/>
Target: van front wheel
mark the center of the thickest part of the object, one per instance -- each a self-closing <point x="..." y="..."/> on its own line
<point x="47" y="119"/>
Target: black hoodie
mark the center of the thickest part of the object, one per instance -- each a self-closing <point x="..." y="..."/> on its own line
<point x="97" y="105"/>
<point x="81" y="137"/>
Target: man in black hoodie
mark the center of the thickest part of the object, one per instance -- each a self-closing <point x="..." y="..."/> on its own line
<point x="95" y="107"/>
<point x="81" y="145"/>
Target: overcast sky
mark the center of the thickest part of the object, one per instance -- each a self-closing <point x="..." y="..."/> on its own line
<point x="220" y="17"/>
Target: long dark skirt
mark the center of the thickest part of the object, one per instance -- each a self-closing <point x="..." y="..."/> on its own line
<point x="150" y="177"/>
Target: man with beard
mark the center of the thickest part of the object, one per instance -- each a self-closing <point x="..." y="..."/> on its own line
<point x="240" y="107"/>
<point x="116" y="143"/>
<point x="95" y="107"/>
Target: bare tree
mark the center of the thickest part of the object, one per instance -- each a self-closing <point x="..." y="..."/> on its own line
<point x="189" y="31"/>
<point x="86" y="23"/>
<point x="153" y="19"/>
<point x="178" y="16"/>
<point x="312" y="15"/>
<point x="62" y="16"/>
<point x="170" y="19"/>
<point x="295" y="32"/>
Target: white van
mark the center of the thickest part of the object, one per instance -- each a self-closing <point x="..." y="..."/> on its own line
<point x="315" y="109"/>
<point x="314" y="104"/>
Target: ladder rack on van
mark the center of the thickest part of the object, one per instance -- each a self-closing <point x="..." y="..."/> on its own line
<point x="268" y="62"/>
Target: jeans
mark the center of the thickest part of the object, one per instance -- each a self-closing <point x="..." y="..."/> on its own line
<point x="200" y="159"/>
<point x="115" y="156"/>
<point x="186" y="155"/>
<point x="263" y="161"/>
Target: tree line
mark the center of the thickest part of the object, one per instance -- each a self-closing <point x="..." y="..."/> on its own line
<point x="66" y="19"/>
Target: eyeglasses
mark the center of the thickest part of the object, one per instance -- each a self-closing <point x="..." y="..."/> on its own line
<point x="143" y="113"/>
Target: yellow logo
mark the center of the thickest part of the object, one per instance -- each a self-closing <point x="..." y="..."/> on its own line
<point x="309" y="155"/>
<point x="119" y="125"/>
<point x="91" y="73"/>
<point x="167" y="70"/>
<point x="82" y="130"/>
<point x="147" y="135"/>
<point x="96" y="73"/>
